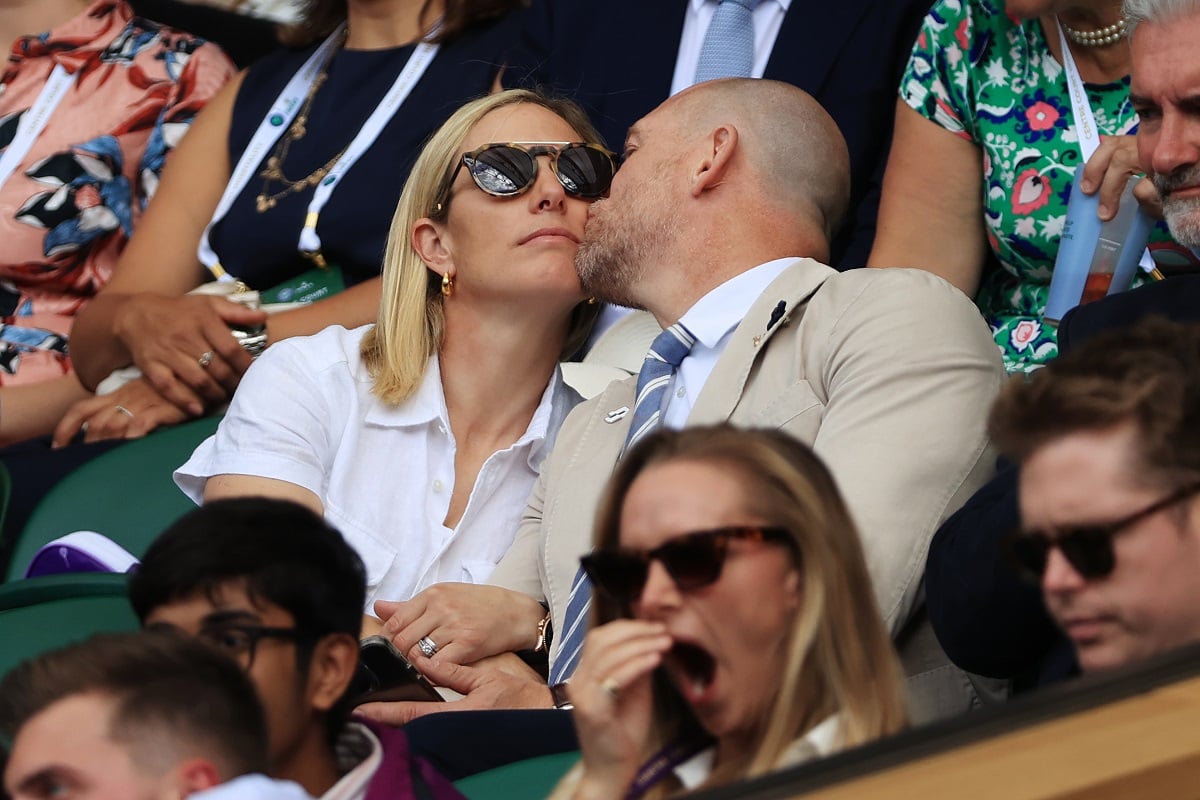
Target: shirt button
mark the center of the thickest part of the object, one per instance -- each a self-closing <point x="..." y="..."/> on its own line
<point x="437" y="486"/>
<point x="681" y="392"/>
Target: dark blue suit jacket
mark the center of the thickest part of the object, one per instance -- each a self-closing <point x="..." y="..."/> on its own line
<point x="617" y="58"/>
<point x="987" y="619"/>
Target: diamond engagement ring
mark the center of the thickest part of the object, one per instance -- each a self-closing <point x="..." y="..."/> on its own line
<point x="427" y="646"/>
<point x="125" y="411"/>
<point x="205" y="359"/>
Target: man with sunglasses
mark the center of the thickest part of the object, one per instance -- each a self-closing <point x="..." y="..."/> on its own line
<point x="726" y="200"/>
<point x="988" y="620"/>
<point x="282" y="593"/>
<point x="1108" y="442"/>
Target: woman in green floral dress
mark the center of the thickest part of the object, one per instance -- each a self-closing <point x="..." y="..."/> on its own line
<point x="986" y="148"/>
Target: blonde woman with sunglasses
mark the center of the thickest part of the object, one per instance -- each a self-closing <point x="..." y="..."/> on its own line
<point x="420" y="436"/>
<point x="735" y="629"/>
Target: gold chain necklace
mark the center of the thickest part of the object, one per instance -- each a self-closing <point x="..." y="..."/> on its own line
<point x="273" y="172"/>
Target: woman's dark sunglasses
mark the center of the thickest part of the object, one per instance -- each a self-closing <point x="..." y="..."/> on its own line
<point x="510" y="168"/>
<point x="1087" y="548"/>
<point x="693" y="560"/>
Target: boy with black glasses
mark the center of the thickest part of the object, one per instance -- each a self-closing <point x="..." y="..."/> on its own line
<point x="281" y="592"/>
<point x="1108" y="441"/>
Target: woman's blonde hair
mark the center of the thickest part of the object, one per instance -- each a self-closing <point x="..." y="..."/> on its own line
<point x="840" y="659"/>
<point x="411" y="323"/>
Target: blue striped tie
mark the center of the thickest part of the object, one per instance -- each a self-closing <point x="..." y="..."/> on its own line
<point x="666" y="354"/>
<point x="728" y="49"/>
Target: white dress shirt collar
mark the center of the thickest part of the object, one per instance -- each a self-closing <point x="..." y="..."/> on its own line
<point x="719" y="312"/>
<point x="821" y="740"/>
<point x="697" y="4"/>
<point x="428" y="405"/>
<point x="712" y="320"/>
<point x="359" y="754"/>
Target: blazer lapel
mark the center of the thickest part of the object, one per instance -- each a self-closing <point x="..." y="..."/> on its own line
<point x="723" y="389"/>
<point x="810" y="40"/>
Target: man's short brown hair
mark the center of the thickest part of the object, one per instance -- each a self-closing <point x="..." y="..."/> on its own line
<point x="174" y="698"/>
<point x="1148" y="374"/>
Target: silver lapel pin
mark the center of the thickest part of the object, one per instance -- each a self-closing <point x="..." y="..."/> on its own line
<point x="618" y="414"/>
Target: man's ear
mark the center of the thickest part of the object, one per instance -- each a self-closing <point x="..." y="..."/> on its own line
<point x="711" y="171"/>
<point x="334" y="662"/>
<point x="191" y="776"/>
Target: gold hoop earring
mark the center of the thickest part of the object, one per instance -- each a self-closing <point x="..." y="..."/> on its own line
<point x="447" y="285"/>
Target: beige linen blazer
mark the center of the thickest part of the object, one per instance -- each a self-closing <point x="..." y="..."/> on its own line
<point x="887" y="374"/>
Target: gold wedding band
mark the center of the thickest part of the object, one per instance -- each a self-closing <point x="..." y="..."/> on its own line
<point x="611" y="688"/>
<point x="205" y="359"/>
<point x="123" y="410"/>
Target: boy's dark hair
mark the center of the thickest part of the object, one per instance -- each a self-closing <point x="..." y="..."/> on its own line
<point x="174" y="698"/>
<point x="279" y="552"/>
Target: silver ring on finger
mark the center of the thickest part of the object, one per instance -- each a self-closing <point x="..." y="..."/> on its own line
<point x="427" y="646"/>
<point x="611" y="688"/>
<point x="123" y="410"/>
<point x="205" y="359"/>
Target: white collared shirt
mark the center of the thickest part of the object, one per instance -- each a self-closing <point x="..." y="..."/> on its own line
<point x="768" y="19"/>
<point x="254" y="787"/>
<point x="712" y="320"/>
<point x="359" y="754"/>
<point x="304" y="413"/>
<point x="820" y="741"/>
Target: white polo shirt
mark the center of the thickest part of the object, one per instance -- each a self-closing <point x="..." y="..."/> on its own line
<point x="304" y="413"/>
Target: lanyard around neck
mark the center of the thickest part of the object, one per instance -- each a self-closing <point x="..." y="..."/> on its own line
<point x="283" y="111"/>
<point x="310" y="242"/>
<point x="34" y="120"/>
<point x="1084" y="121"/>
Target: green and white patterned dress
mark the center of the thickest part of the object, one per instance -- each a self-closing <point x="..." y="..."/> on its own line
<point x="992" y="80"/>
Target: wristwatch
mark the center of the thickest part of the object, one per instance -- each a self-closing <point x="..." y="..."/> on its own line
<point x="543" y="635"/>
<point x="558" y="693"/>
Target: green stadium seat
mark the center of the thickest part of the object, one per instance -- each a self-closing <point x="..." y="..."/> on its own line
<point x="43" y="614"/>
<point x="522" y="780"/>
<point x="126" y="494"/>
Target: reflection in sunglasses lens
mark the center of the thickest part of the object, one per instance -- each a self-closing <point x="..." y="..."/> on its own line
<point x="500" y="170"/>
<point x="505" y="170"/>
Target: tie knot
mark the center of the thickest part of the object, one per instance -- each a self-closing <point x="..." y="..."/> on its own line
<point x="672" y="345"/>
<point x="749" y="5"/>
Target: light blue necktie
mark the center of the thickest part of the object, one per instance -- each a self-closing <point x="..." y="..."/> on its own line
<point x="666" y="354"/>
<point x="728" y="49"/>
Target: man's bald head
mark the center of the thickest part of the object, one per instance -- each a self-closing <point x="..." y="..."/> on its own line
<point x="793" y="147"/>
<point x="722" y="177"/>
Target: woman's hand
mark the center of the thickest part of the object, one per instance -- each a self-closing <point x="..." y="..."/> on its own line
<point x="466" y="621"/>
<point x="1107" y="172"/>
<point x="613" y="698"/>
<point x="503" y="681"/>
<point x="184" y="347"/>
<point x="128" y="413"/>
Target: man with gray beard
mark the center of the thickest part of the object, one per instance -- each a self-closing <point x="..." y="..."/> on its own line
<point x="1165" y="91"/>
<point x="717" y="224"/>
